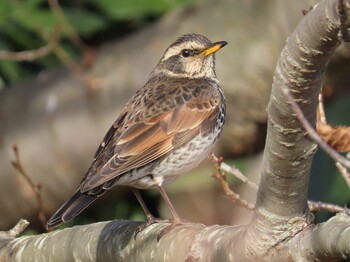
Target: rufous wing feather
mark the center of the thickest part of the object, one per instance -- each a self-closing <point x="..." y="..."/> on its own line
<point x="146" y="141"/>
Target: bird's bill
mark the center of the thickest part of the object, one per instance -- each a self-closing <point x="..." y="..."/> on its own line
<point x="214" y="48"/>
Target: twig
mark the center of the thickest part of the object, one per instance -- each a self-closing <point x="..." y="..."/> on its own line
<point x="219" y="175"/>
<point x="233" y="170"/>
<point x="18" y="228"/>
<point x="88" y="52"/>
<point x="312" y="132"/>
<point x="222" y="166"/>
<point x="35" y="187"/>
<point x="31" y="55"/>
<point x="345" y="174"/>
<point x="74" y="37"/>
<point x="305" y="12"/>
<point x="321" y="116"/>
<point x="318" y="206"/>
<point x="90" y="82"/>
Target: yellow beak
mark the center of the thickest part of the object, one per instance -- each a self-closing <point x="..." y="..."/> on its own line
<point x="214" y="48"/>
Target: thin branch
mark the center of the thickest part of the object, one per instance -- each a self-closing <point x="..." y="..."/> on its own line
<point x="35" y="187"/>
<point x="18" y="228"/>
<point x="234" y="171"/>
<point x="321" y="115"/>
<point x="31" y="55"/>
<point x="219" y="175"/>
<point x="344" y="172"/>
<point x="321" y="118"/>
<point x="312" y="132"/>
<point x="315" y="206"/>
<point x="88" y="53"/>
<point x="74" y="37"/>
<point x="91" y="83"/>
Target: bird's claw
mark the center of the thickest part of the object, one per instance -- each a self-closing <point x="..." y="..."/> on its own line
<point x="150" y="221"/>
<point x="174" y="223"/>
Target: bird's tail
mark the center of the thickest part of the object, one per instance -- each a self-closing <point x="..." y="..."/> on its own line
<point x="71" y="208"/>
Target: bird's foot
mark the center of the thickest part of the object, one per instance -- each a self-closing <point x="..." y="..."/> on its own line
<point x="150" y="221"/>
<point x="177" y="221"/>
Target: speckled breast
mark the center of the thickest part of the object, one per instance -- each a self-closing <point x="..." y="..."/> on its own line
<point x="183" y="159"/>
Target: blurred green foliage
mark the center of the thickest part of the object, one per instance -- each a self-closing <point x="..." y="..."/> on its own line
<point x="25" y="24"/>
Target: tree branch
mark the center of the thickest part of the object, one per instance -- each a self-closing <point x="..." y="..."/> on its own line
<point x="35" y="187"/>
<point x="116" y="241"/>
<point x="281" y="204"/>
<point x="289" y="152"/>
<point x="327" y="241"/>
<point x="31" y="55"/>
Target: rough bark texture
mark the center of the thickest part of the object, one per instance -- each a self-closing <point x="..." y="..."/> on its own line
<point x="281" y="229"/>
<point x="116" y="241"/>
<point x="57" y="126"/>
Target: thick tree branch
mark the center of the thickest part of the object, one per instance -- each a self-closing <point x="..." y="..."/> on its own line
<point x="116" y="241"/>
<point x="289" y="151"/>
<point x="328" y="241"/>
<point x="281" y="204"/>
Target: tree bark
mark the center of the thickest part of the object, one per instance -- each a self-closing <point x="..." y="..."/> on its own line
<point x="116" y="241"/>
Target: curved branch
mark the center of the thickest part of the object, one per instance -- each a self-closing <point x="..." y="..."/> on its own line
<point x="116" y="241"/>
<point x="328" y="241"/>
<point x="281" y="208"/>
<point x="289" y="152"/>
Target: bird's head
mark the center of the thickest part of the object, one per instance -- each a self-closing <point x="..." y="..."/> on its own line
<point x="190" y="56"/>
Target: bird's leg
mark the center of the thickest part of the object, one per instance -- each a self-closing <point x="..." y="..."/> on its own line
<point x="177" y="219"/>
<point x="150" y="218"/>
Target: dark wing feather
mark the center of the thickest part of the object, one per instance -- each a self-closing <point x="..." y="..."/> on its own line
<point x="109" y="135"/>
<point x="71" y="208"/>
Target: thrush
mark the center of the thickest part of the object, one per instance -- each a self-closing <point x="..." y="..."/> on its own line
<point x="168" y="127"/>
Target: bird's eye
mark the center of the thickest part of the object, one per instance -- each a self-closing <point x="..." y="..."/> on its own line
<point x="186" y="53"/>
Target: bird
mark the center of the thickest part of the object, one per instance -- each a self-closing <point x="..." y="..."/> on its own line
<point x="166" y="129"/>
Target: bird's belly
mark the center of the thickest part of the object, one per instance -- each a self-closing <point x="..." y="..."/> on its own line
<point x="178" y="162"/>
<point x="183" y="159"/>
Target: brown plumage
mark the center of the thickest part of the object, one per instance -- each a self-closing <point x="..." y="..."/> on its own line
<point x="166" y="129"/>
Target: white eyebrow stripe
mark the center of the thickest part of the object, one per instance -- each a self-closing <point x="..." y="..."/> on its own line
<point x="175" y="50"/>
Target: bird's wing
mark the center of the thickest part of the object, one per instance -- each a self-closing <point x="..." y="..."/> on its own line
<point x="144" y="140"/>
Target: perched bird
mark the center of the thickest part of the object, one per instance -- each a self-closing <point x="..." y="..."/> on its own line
<point x="166" y="129"/>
